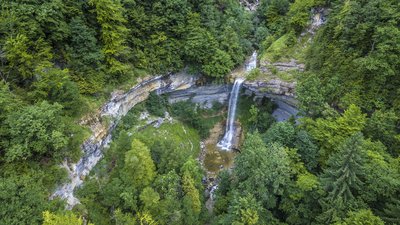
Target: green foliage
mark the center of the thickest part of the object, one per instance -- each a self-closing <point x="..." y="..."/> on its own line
<point x="282" y="133"/>
<point x="109" y="15"/>
<point x="391" y="212"/>
<point x="279" y="48"/>
<point x="9" y="102"/>
<point x="156" y="104"/>
<point x="139" y="168"/>
<point x="200" y="119"/>
<point x="262" y="170"/>
<point x="55" y="86"/>
<point x="36" y="131"/>
<point x="382" y="126"/>
<point x="123" y="218"/>
<point x="169" y="155"/>
<point x="342" y="179"/>
<point x="191" y="200"/>
<point x="245" y="210"/>
<point x="171" y="145"/>
<point x="54" y="51"/>
<point x="23" y="57"/>
<point x="311" y="95"/>
<point x="26" y="200"/>
<point x="273" y="13"/>
<point x="149" y="198"/>
<point x="219" y="65"/>
<point x="342" y="176"/>
<point x="254" y="74"/>
<point x="66" y="219"/>
<point x="363" y="217"/>
<point x="299" y="13"/>
<point x="331" y="132"/>
<point x="381" y="180"/>
<point x="307" y="149"/>
<point x="255" y="116"/>
<point x="142" y="189"/>
<point x="358" y="61"/>
<point x="230" y="43"/>
<point x="85" y="57"/>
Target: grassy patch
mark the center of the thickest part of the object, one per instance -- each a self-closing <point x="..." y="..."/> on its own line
<point x="286" y="47"/>
<point x="280" y="49"/>
<point x="200" y="119"/>
<point x="287" y="76"/>
<point x="176" y="132"/>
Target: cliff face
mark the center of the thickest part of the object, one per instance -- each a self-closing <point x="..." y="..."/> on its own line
<point x="105" y="120"/>
<point x="181" y="88"/>
<point x="274" y="89"/>
<point x="205" y="96"/>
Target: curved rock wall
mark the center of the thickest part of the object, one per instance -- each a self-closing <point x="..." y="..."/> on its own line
<point x="181" y="87"/>
<point x="274" y="89"/>
<point x="205" y="96"/>
<point x="105" y="120"/>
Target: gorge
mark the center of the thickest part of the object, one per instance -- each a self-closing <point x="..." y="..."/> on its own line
<point x="157" y="112"/>
<point x="121" y="103"/>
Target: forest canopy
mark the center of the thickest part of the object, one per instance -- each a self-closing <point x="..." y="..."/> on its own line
<point x="337" y="163"/>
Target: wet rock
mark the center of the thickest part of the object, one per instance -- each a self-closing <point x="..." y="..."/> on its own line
<point x="144" y="115"/>
<point x="250" y="5"/>
<point x="205" y="96"/>
<point x="158" y="122"/>
<point x="318" y="19"/>
<point x="274" y="89"/>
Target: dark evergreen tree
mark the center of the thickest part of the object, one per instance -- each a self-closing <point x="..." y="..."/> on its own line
<point x="342" y="179"/>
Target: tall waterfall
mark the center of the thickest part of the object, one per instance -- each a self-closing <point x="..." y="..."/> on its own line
<point x="227" y="140"/>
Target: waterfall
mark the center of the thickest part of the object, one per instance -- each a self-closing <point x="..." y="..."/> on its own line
<point x="252" y="64"/>
<point x="227" y="140"/>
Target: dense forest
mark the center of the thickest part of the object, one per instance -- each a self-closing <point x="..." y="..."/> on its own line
<point x="339" y="163"/>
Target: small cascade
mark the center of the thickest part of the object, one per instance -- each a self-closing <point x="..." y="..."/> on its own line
<point x="252" y="64"/>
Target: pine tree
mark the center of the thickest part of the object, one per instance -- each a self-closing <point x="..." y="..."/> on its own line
<point x="139" y="167"/>
<point x="342" y="178"/>
<point x="391" y="212"/>
<point x="113" y="34"/>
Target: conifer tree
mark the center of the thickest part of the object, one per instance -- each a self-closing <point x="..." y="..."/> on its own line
<point x="139" y="167"/>
<point x="342" y="178"/>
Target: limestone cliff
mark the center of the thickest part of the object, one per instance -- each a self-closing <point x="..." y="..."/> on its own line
<point x="105" y="120"/>
<point x="274" y="89"/>
<point x="205" y="96"/>
<point x="181" y="87"/>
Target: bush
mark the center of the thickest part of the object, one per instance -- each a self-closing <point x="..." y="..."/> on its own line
<point x="156" y="104"/>
<point x="254" y="74"/>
